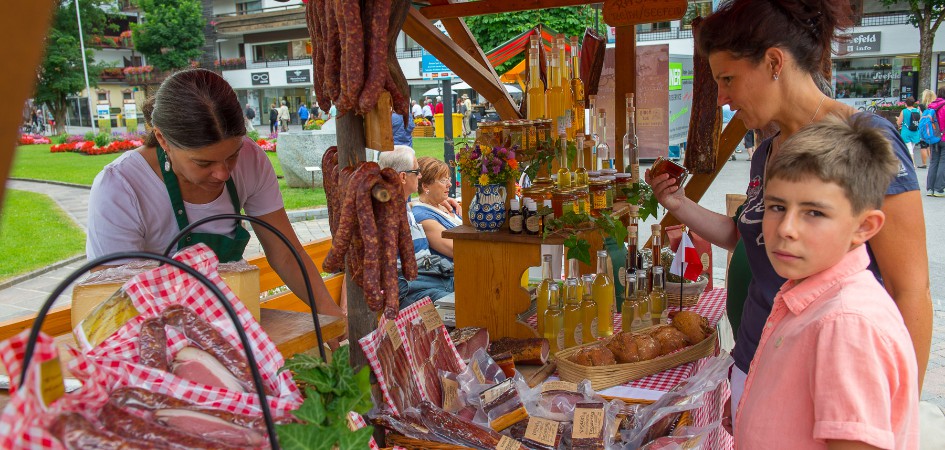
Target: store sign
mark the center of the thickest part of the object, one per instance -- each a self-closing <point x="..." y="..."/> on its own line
<point x="430" y="67"/>
<point x="298" y="76"/>
<point x="260" y="78"/>
<point x="863" y="42"/>
<point x="631" y="12"/>
<point x="102" y="110"/>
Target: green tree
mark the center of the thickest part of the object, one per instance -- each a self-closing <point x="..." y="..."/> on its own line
<point x="926" y="16"/>
<point x="61" y="74"/>
<point x="494" y="29"/>
<point x="172" y="33"/>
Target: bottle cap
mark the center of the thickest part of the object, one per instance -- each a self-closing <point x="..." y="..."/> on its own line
<point x="656" y="228"/>
<point x="602" y="253"/>
<point x="547" y="203"/>
<point x="514" y="204"/>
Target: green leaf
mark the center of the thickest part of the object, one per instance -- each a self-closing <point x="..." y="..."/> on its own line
<point x="339" y="407"/>
<point x="578" y="249"/>
<point x="355" y="440"/>
<point x="296" y="436"/>
<point x="363" y="385"/>
<point x="312" y="409"/>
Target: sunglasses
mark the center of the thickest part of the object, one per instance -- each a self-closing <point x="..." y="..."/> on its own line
<point x="413" y="171"/>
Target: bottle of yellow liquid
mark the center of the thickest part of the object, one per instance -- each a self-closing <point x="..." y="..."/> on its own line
<point x="535" y="95"/>
<point x="642" y="308"/>
<point x="628" y="309"/>
<point x="573" y="330"/>
<point x="603" y="292"/>
<point x="589" y="318"/>
<point x="554" y="96"/>
<point x="658" y="312"/>
<point x="541" y="301"/>
<point x="564" y="66"/>
<point x="564" y="174"/>
<point x="577" y="91"/>
<point x="554" y="319"/>
<point x="580" y="172"/>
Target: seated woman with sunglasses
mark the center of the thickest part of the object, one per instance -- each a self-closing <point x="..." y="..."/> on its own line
<point x="433" y="209"/>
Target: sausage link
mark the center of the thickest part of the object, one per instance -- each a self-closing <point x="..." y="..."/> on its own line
<point x="401" y="106"/>
<point x="208" y="339"/>
<point x="387" y="221"/>
<point x="152" y="344"/>
<point x="352" y="51"/>
<point x="376" y="39"/>
<point x="347" y="223"/>
<point x="333" y="54"/>
<point x="408" y="259"/>
<point x="371" y="267"/>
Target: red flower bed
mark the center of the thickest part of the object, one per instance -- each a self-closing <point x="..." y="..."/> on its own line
<point x="30" y="139"/>
<point x="89" y="148"/>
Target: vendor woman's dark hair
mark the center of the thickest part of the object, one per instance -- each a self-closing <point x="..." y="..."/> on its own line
<point x="748" y="28"/>
<point x="194" y="108"/>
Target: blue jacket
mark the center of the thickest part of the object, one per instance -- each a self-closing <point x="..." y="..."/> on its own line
<point x="303" y="113"/>
<point x="402" y="136"/>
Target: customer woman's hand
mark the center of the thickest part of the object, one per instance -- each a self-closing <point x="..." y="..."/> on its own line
<point x="669" y="195"/>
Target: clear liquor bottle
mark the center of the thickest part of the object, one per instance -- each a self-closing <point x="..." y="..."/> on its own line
<point x="580" y="172"/>
<point x="604" y="160"/>
<point x="658" y="312"/>
<point x="631" y="148"/>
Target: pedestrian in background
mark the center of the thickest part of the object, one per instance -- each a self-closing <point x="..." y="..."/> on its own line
<point x="303" y="114"/>
<point x="935" y="180"/>
<point x="908" y="122"/>
<point x="927" y="98"/>
<point x="465" y="108"/>
<point x="273" y="119"/>
<point x="427" y="110"/>
<point x="402" y="135"/>
<point x="284" y="116"/>
<point x="249" y="114"/>
<point x="415" y="110"/>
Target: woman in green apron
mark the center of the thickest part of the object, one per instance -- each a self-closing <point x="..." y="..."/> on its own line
<point x="196" y="162"/>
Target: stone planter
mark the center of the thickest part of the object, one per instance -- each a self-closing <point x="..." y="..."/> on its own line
<point x="300" y="149"/>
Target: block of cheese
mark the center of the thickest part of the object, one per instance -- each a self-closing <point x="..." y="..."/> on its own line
<point x="241" y="277"/>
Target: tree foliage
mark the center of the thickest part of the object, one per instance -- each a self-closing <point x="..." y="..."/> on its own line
<point x="494" y="29"/>
<point x="927" y="15"/>
<point x="61" y="73"/>
<point x="172" y="33"/>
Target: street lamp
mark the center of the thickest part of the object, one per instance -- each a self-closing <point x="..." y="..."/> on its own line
<point x="85" y="68"/>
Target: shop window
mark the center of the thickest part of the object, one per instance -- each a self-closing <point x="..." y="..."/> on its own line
<point x="103" y="96"/>
<point x="869" y="77"/>
<point x="248" y="7"/>
<point x="271" y="52"/>
<point x="300" y="49"/>
<point x="127" y="95"/>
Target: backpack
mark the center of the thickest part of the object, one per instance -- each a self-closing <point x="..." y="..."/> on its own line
<point x="929" y="129"/>
<point x="913" y="123"/>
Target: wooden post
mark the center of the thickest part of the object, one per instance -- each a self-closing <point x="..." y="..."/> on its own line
<point x="626" y="82"/>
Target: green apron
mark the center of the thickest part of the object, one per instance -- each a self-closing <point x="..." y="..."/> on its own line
<point x="226" y="248"/>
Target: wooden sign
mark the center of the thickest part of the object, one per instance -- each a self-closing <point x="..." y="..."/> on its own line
<point x="619" y="13"/>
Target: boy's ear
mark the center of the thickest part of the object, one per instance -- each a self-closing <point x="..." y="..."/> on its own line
<point x="871" y="221"/>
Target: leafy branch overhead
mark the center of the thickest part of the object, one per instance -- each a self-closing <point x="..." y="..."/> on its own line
<point x="335" y="389"/>
<point x="172" y="33"/>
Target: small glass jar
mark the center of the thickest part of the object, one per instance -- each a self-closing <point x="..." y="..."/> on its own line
<point x="599" y="195"/>
<point x="624" y="181"/>
<point x="561" y="201"/>
<point x="543" y="182"/>
<point x="534" y="193"/>
<point x="593" y="174"/>
<point x="582" y="200"/>
<point x="612" y="182"/>
<point x="529" y="137"/>
<point x="663" y="165"/>
<point x="516" y="130"/>
<point x="608" y="172"/>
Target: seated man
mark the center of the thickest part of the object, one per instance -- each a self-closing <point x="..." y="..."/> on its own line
<point x="435" y="274"/>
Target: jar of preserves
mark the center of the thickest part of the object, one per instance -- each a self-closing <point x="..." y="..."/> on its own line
<point x="611" y="181"/>
<point x="543" y="182"/>
<point x="516" y="130"/>
<point x="562" y="201"/>
<point x="529" y="137"/>
<point x="582" y="200"/>
<point x="593" y="174"/>
<point x="608" y="172"/>
<point x="624" y="181"/>
<point x="534" y="193"/>
<point x="599" y="190"/>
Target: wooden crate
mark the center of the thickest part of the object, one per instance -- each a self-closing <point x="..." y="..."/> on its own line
<point x="423" y="131"/>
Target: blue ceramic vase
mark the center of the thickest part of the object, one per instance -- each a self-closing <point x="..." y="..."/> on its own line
<point x="487" y="211"/>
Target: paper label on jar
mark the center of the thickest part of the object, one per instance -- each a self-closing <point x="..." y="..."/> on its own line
<point x="393" y="334"/>
<point x="579" y="334"/>
<point x="542" y="431"/>
<point x="451" y="402"/>
<point x="51" y="385"/>
<point x="507" y="443"/>
<point x="561" y="339"/>
<point x="599" y="200"/>
<point x="622" y="276"/>
<point x="588" y="423"/>
<point x="478" y="372"/>
<point x="533" y="223"/>
<point x="558" y="385"/>
<point x="431" y="319"/>
<point x="515" y="223"/>
<point x="489" y="395"/>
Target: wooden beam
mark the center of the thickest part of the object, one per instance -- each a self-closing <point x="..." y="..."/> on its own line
<point x="626" y="82"/>
<point x="699" y="184"/>
<point x="453" y="56"/>
<point x="484" y="7"/>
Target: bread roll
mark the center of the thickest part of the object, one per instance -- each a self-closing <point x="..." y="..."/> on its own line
<point x="595" y="355"/>
<point x="693" y="325"/>
<point x="670" y="339"/>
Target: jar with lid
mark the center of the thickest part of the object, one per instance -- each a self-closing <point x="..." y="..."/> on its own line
<point x="608" y="172"/>
<point x="543" y="182"/>
<point x="529" y="138"/>
<point x="599" y="190"/>
<point x="562" y="201"/>
<point x="593" y="174"/>
<point x="624" y="181"/>
<point x="612" y="181"/>
<point x="535" y="193"/>
<point x="505" y="133"/>
<point x="543" y="134"/>
<point x="516" y="129"/>
<point x="582" y="201"/>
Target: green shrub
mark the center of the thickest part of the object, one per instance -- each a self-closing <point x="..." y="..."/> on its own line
<point x="254" y="135"/>
<point x="59" y="139"/>
<point x="102" y="139"/>
<point x="89" y="136"/>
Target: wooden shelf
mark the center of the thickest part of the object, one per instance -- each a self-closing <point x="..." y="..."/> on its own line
<point x="468" y="233"/>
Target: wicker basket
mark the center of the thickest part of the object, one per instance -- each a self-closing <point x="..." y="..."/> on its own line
<point x="690" y="292"/>
<point x="603" y="377"/>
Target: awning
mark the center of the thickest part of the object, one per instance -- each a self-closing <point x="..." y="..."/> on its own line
<point x="518" y="44"/>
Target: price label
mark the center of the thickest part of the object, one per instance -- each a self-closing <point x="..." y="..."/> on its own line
<point x="489" y="395"/>
<point x="478" y="372"/>
<point x="507" y="443"/>
<point x="393" y="334"/>
<point x="542" y="431"/>
<point x="588" y="423"/>
<point x="451" y="402"/>
<point x="558" y="385"/>
<point x="51" y="386"/>
<point x="431" y="319"/>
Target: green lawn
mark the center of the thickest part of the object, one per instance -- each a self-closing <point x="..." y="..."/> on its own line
<point x="34" y="233"/>
<point x="35" y="161"/>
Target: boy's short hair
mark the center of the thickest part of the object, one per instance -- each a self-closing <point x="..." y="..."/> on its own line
<point x="847" y="151"/>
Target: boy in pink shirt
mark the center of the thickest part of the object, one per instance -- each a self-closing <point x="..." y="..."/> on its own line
<point x="835" y="367"/>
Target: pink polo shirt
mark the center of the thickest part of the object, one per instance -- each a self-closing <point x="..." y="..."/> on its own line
<point x="834" y="362"/>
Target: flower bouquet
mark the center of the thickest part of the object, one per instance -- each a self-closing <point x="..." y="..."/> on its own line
<point x="489" y="169"/>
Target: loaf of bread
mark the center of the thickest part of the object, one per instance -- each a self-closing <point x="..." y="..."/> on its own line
<point x="629" y="348"/>
<point x="693" y="325"/>
<point x="670" y="339"/>
<point x="595" y="355"/>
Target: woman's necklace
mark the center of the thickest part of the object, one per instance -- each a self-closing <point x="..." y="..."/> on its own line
<point x="434" y="206"/>
<point x="776" y="141"/>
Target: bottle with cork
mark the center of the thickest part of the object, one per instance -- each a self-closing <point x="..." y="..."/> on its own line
<point x="631" y="149"/>
<point x="628" y="306"/>
<point x="577" y="92"/>
<point x="592" y="138"/>
<point x="542" y="301"/>
<point x="604" y="160"/>
<point x="573" y="330"/>
<point x="535" y="93"/>
<point x="641" y="313"/>
<point x="580" y="172"/>
<point x="554" y="319"/>
<point x="564" y="174"/>
<point x="589" y="318"/>
<point x="602" y="290"/>
<point x="656" y="242"/>
<point x="658" y="312"/>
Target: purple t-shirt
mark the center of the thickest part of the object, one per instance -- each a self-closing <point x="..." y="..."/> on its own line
<point x="765" y="282"/>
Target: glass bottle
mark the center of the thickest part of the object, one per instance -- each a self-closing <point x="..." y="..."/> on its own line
<point x="641" y="318"/>
<point x="580" y="173"/>
<point x="603" y="293"/>
<point x="532" y="219"/>
<point x="657" y="241"/>
<point x="632" y="248"/>
<point x="535" y="95"/>
<point x="516" y="220"/>
<point x="541" y="300"/>
<point x="604" y="160"/>
<point x="594" y="137"/>
<point x="564" y="65"/>
<point x="564" y="174"/>
<point x="573" y="332"/>
<point x="629" y="305"/>
<point x="554" y="96"/>
<point x="589" y="312"/>
<point x="554" y="319"/>
<point x="658" y="312"/>
<point x="631" y="149"/>
<point x="577" y="91"/>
